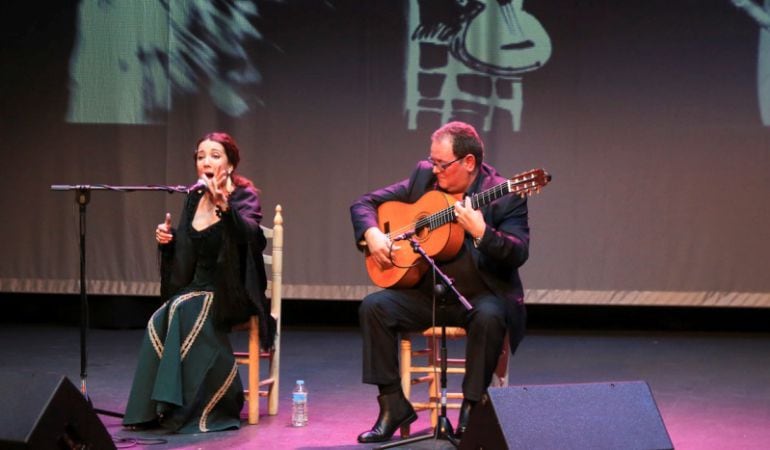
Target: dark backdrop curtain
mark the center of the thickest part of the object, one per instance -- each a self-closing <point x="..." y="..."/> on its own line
<point x="646" y="113"/>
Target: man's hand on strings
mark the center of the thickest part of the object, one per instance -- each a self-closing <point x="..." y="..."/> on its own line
<point x="379" y="246"/>
<point x="470" y="219"/>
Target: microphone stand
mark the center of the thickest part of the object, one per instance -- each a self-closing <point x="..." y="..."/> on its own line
<point x="82" y="197"/>
<point x="443" y="429"/>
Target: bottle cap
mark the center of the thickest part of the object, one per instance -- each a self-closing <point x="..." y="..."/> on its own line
<point x="300" y="381"/>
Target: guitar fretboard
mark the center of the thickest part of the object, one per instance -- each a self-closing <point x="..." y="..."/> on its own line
<point x="447" y="215"/>
<point x="490" y="195"/>
<point x="523" y="184"/>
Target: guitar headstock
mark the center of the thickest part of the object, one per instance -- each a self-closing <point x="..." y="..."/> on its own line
<point x="529" y="183"/>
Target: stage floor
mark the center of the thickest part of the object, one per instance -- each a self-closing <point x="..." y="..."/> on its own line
<point x="712" y="389"/>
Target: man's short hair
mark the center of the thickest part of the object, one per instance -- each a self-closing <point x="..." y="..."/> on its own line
<point x="465" y="140"/>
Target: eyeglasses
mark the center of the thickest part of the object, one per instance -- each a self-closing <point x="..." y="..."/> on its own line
<point x="442" y="166"/>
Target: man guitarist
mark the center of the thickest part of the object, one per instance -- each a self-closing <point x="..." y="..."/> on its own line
<point x="484" y="270"/>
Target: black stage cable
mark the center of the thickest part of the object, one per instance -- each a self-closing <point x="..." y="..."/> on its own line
<point x="133" y="442"/>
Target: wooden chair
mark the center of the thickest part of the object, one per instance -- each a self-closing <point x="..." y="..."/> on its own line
<point x="267" y="387"/>
<point x="430" y="372"/>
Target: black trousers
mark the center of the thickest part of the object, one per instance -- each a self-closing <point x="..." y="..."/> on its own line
<point x="385" y="314"/>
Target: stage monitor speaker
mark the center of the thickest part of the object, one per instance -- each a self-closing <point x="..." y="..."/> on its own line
<point x="612" y="415"/>
<point x="46" y="411"/>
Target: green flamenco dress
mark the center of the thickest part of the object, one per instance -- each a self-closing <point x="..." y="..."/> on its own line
<point x="186" y="378"/>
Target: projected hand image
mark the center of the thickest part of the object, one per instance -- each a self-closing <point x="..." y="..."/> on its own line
<point x="131" y="58"/>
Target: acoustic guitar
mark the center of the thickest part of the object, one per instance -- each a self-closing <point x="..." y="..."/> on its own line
<point x="431" y="222"/>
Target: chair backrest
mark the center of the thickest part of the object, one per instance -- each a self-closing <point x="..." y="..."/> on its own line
<point x="273" y="257"/>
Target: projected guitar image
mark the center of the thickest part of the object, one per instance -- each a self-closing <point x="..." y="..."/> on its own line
<point x="466" y="60"/>
<point x="430" y="221"/>
<point x="503" y="39"/>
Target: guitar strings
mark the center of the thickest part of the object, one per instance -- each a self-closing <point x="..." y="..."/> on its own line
<point x="447" y="215"/>
<point x="525" y="183"/>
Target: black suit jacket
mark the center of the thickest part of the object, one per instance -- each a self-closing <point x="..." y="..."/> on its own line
<point x="504" y="246"/>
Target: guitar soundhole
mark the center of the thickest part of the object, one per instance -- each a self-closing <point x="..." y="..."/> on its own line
<point x="422" y="233"/>
<point x="422" y="229"/>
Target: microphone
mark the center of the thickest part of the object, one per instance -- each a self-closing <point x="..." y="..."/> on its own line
<point x="198" y="186"/>
<point x="404" y="236"/>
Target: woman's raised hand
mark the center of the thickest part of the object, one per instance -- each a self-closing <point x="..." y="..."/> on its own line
<point x="163" y="232"/>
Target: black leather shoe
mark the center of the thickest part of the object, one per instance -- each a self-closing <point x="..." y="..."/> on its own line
<point x="462" y="421"/>
<point x="395" y="412"/>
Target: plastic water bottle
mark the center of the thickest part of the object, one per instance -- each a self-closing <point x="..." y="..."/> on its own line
<point x="299" y="405"/>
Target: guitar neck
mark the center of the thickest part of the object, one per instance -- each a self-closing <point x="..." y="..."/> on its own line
<point x="479" y="200"/>
<point x="490" y="195"/>
<point x="523" y="184"/>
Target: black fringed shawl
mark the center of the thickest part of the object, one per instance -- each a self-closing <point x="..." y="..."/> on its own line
<point x="240" y="277"/>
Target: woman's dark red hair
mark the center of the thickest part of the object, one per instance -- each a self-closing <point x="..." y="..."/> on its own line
<point x="231" y="150"/>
